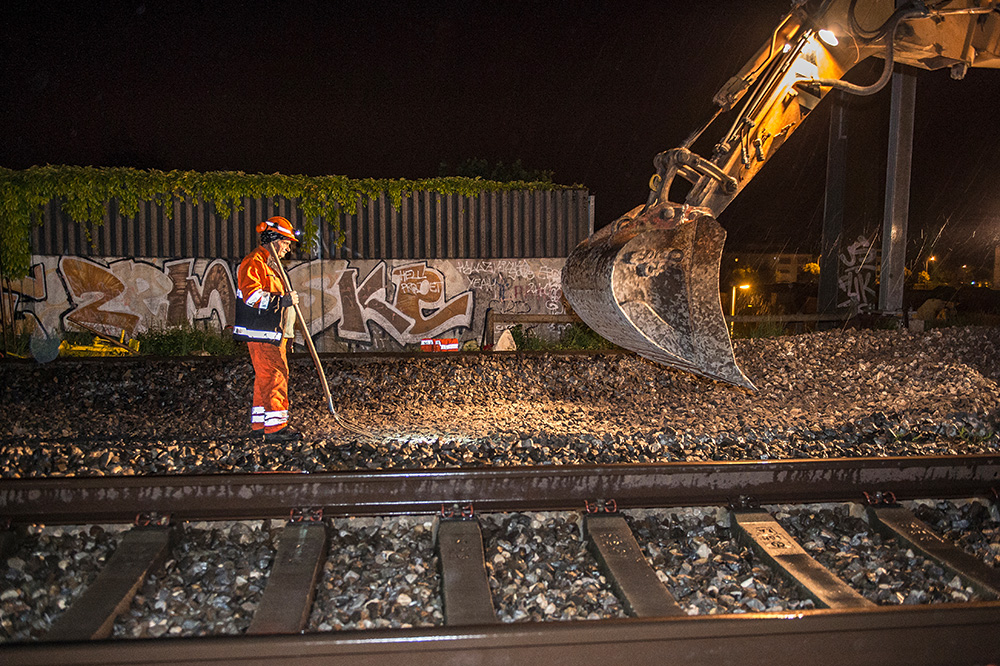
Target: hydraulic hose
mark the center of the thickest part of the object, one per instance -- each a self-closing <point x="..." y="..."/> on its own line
<point x="852" y="89"/>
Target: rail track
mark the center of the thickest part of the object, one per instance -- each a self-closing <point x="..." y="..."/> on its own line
<point x="842" y="626"/>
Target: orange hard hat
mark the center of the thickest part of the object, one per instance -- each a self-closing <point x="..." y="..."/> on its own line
<point x="278" y="227"/>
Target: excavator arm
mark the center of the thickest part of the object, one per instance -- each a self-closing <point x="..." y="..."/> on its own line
<point x="650" y="280"/>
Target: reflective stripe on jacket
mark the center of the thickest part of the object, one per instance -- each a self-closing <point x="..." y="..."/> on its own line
<point x="258" y="300"/>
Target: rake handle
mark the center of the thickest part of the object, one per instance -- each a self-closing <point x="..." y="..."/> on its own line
<point x="305" y="332"/>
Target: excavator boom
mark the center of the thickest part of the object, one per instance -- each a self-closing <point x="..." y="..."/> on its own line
<point x="649" y="281"/>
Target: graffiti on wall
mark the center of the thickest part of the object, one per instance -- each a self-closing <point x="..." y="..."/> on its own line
<point x="364" y="302"/>
<point x="195" y="298"/>
<point x="516" y="286"/>
<point x="121" y="295"/>
<point x="857" y="275"/>
<point x="23" y="294"/>
<point x="408" y="303"/>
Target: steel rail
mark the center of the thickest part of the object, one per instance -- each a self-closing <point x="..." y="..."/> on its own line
<point x="361" y="357"/>
<point x="116" y="499"/>
<point x="897" y="636"/>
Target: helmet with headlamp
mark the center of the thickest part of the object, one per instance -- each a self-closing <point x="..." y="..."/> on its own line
<point x="277" y="228"/>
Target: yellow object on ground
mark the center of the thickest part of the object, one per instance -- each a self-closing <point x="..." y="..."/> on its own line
<point x="100" y="347"/>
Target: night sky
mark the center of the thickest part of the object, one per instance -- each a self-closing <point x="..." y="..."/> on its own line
<point x="590" y="90"/>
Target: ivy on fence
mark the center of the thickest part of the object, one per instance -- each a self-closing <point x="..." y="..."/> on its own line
<point x="84" y="193"/>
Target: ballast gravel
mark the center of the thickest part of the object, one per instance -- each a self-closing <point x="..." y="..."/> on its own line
<point x="210" y="584"/>
<point x="972" y="525"/>
<point x="49" y="569"/>
<point x="699" y="561"/>
<point x="882" y="570"/>
<point x="831" y="394"/>
<point x="539" y="569"/>
<point x="382" y="572"/>
<point x="838" y="393"/>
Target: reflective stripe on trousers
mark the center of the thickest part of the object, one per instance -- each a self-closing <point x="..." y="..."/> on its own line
<point x="270" y="386"/>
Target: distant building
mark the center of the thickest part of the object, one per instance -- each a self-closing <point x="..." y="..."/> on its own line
<point x="777" y="267"/>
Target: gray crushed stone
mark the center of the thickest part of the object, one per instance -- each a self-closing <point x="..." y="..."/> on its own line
<point x="49" y="569"/>
<point x="697" y="558"/>
<point x="829" y="394"/>
<point x="211" y="583"/>
<point x="972" y="525"/>
<point x="539" y="569"/>
<point x="380" y="572"/>
<point x="882" y="570"/>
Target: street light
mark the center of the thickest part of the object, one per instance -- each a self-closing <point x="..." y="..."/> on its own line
<point x="732" y="300"/>
<point x="732" y="306"/>
<point x="927" y="263"/>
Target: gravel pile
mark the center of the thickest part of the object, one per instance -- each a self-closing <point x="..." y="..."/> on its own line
<point x="829" y="394"/>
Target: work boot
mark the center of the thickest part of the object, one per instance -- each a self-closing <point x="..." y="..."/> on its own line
<point x="286" y="434"/>
<point x="256" y="435"/>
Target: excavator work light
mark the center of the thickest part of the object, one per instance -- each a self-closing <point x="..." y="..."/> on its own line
<point x="828" y="37"/>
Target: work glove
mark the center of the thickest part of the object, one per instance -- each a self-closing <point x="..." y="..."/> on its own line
<point x="290" y="299"/>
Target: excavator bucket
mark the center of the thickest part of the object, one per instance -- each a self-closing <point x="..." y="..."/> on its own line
<point x="649" y="282"/>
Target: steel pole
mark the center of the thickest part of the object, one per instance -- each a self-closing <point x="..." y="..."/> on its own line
<point x="897" y="192"/>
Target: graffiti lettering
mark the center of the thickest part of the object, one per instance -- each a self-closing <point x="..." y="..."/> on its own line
<point x="194" y="299"/>
<point x="516" y="286"/>
<point x="515" y="268"/>
<point x="92" y="286"/>
<point x="374" y="304"/>
<point x="421" y="289"/>
<point x="510" y="307"/>
<point x="367" y="303"/>
<point x="858" y="276"/>
<point x="32" y="286"/>
<point x="410" y="307"/>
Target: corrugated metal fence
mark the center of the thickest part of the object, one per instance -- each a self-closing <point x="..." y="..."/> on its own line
<point x="426" y="225"/>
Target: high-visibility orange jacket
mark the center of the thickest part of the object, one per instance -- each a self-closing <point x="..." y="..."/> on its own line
<point x="258" y="322"/>
<point x="258" y="300"/>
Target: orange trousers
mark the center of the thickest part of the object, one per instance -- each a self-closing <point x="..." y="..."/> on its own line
<point x="270" y="386"/>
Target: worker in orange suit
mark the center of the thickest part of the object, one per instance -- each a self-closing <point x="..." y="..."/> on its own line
<point x="265" y="320"/>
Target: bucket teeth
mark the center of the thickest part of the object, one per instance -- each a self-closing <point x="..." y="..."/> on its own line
<point x="649" y="282"/>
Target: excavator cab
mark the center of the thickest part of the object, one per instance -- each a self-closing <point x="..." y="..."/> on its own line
<point x="649" y="281"/>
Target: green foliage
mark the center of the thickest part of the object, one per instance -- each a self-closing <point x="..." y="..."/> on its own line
<point x="576" y="336"/>
<point x="523" y="340"/>
<point x="763" y="329"/>
<point x="188" y="340"/>
<point x="886" y="323"/>
<point x="966" y="319"/>
<point x="17" y="345"/>
<point x="500" y="172"/>
<point x="580" y="336"/>
<point x="84" y="193"/>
